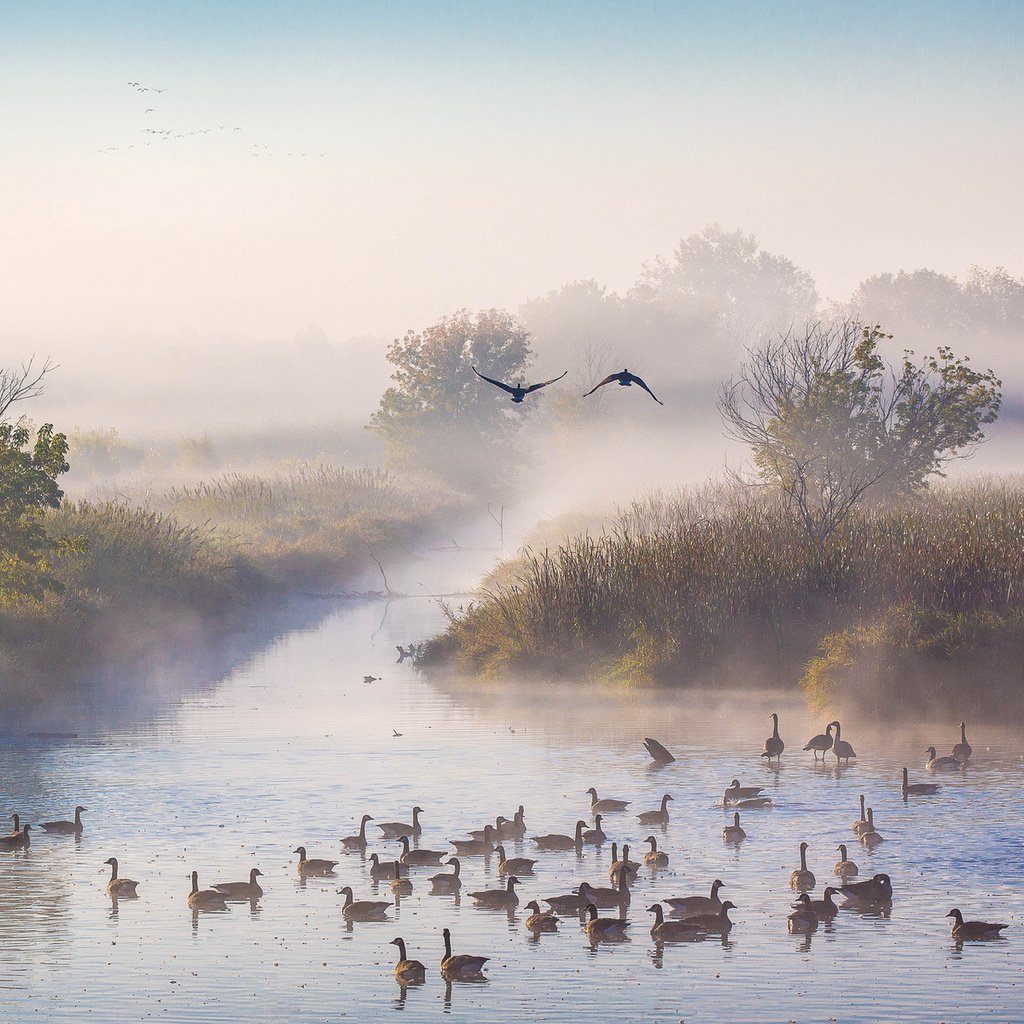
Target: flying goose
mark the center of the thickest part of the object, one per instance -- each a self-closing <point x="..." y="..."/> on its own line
<point x="861" y="824"/>
<point x="963" y="750"/>
<point x="717" y="923"/>
<point x="400" y="886"/>
<point x="918" y="788"/>
<point x="407" y="972"/>
<point x="656" y="817"/>
<point x="468" y="847"/>
<point x="514" y="865"/>
<point x="499" y="897"/>
<point x="397" y="829"/>
<point x="561" y="842"/>
<point x="605" y="806"/>
<point x="845" y="867"/>
<point x="671" y="931"/>
<point x="660" y="754"/>
<point x="419" y="858"/>
<point x="734" y="833"/>
<point x="241" y="890"/>
<point x="594" y="836"/>
<point x="875" y="890"/>
<point x="821" y="743"/>
<point x="869" y="837"/>
<point x="205" y="899"/>
<point x="695" y="906"/>
<point x="825" y="908"/>
<point x="314" y="866"/>
<point x="357" y="842"/>
<point x="66" y="828"/>
<point x="16" y="840"/>
<point x="385" y="868"/>
<point x="598" y="928"/>
<point x="654" y="857"/>
<point x="448" y="881"/>
<point x="625" y="379"/>
<point x="363" y="910"/>
<point x="843" y="750"/>
<point x="540" y="921"/>
<point x="939" y="764"/>
<point x="962" y="929"/>
<point x="517" y="391"/>
<point x="462" y="965"/>
<point x="773" y="746"/>
<point x="737" y="792"/>
<point x="802" y="878"/>
<point x="119" y="886"/>
<point x="631" y="866"/>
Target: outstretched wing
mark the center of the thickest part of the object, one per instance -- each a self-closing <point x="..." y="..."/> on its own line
<point x="496" y="383"/>
<point x="608" y="380"/>
<point x="537" y="387"/>
<point x="640" y="381"/>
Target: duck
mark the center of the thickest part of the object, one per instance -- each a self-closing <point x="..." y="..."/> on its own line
<point x="822" y="743"/>
<point x="16" y="840"/>
<point x="655" y="858"/>
<point x="499" y="897"/>
<point x="362" y="910"/>
<point x="802" y="920"/>
<point x="357" y="842"/>
<point x="861" y="824"/>
<point x="306" y="866"/>
<point x="658" y="752"/>
<point x="802" y="878"/>
<point x="870" y="838"/>
<point x="631" y="866"/>
<point x="407" y="972"/>
<point x="400" y="886"/>
<point x="540" y="921"/>
<point x="250" y="890"/>
<point x="875" y="890"/>
<point x="773" y="746"/>
<point x="470" y="847"/>
<point x="385" y="868"/>
<point x="940" y="764"/>
<point x="656" y="817"/>
<point x="734" y="833"/>
<point x="975" y="930"/>
<point x="825" y="908"/>
<point x="671" y="931"/>
<point x="594" y="836"/>
<point x="561" y="842"/>
<point x="448" y="881"/>
<point x="843" y="750"/>
<point x="462" y="965"/>
<point x="419" y="858"/>
<point x="917" y="788"/>
<point x="514" y="829"/>
<point x="963" y="750"/>
<point x="603" y="897"/>
<point x="119" y="886"/>
<point x="66" y="828"/>
<point x="598" y="928"/>
<point x="695" y="906"/>
<point x="737" y="792"/>
<point x="205" y="899"/>
<point x="845" y="867"/>
<point x="717" y="923"/>
<point x="607" y="806"/>
<point x="514" y="865"/>
<point x="397" y="829"/>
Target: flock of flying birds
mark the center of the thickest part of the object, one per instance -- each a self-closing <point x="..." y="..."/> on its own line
<point x="519" y="391"/>
<point x="694" y="917"/>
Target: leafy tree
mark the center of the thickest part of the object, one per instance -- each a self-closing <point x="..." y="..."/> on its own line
<point x="829" y="422"/>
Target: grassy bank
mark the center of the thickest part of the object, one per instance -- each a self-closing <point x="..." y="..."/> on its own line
<point x="903" y="602"/>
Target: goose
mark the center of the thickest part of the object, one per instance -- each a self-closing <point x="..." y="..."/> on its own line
<point x="16" y="818"/>
<point x="821" y="743"/>
<point x="845" y="867"/>
<point x="241" y="890"/>
<point x="447" y="882"/>
<point x="16" y="840"/>
<point x="314" y="866"/>
<point x="397" y="829"/>
<point x="802" y="920"/>
<point x="802" y="878"/>
<point x="963" y="750"/>
<point x="773" y="746"/>
<point x="624" y="379"/>
<point x="560" y="842"/>
<point x="496" y="829"/>
<point x="671" y="931"/>
<point x="205" y="899"/>
<point x="962" y="929"/>
<point x="695" y="906"/>
<point x="861" y="824"/>
<point x="514" y="829"/>
<point x="571" y="903"/>
<point x="718" y="923"/>
<point x="119" y="886"/>
<point x="843" y="750"/>
<point x="362" y="910"/>
<point x="940" y="764"/>
<point x="594" y="836"/>
<point x="656" y="817"/>
<point x="734" y="833"/>
<point x="631" y="866"/>
<point x="603" y="927"/>
<point x="385" y="868"/>
<point x="468" y="847"/>
<point x="918" y="788"/>
<point x="357" y="842"/>
<point x="517" y="391"/>
<point x="463" y="965"/>
<point x="869" y="837"/>
<point x="617" y="897"/>
<point x="66" y="828"/>
<point x="737" y="792"/>
<point x="875" y="890"/>
<point x="400" y="886"/>
<point x="654" y="857"/>
<point x="514" y="865"/>
<point x="499" y="897"/>
<point x="419" y="858"/>
<point x="825" y="908"/>
<point x="540" y="921"/>
<point x="752" y="803"/>
<point x="606" y="806"/>
<point x="660" y="754"/>
<point x="407" y="972"/>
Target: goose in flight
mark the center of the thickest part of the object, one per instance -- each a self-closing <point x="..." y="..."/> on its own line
<point x="519" y="391"/>
<point x="625" y="379"/>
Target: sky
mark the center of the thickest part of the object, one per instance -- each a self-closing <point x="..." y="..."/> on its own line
<point x="383" y="163"/>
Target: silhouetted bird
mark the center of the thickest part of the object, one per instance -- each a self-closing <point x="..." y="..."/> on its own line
<point x="518" y="392"/>
<point x="625" y="379"/>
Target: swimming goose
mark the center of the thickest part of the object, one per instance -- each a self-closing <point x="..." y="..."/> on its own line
<point x="16" y="818"/>
<point x="802" y="878"/>
<point x="869" y="837"/>
<point x="570" y="903"/>
<point x="385" y="868"/>
<point x="357" y="842"/>
<point x="603" y="897"/>
<point x="695" y="906"/>
<point x="670" y="931"/>
<point x="660" y="754"/>
<point x="205" y="899"/>
<point x="603" y="927"/>
<point x="802" y="920"/>
<point x="481" y="833"/>
<point x="241" y="890"/>
<point x="419" y="858"/>
<point x="845" y="867"/>
<point x="447" y="882"/>
<point x="594" y="836"/>
<point x="654" y="857"/>
<point x="656" y="817"/>
<point x="963" y="750"/>
<point x="605" y="806"/>
<point x="843" y="750"/>
<point x="861" y="824"/>
<point x="499" y="897"/>
<point x="874" y="890"/>
<point x="939" y="764"/>
<point x="918" y="788"/>
<point x="363" y="910"/>
<point x="462" y="965"/>
<point x="962" y="929"/>
<point x="16" y="840"/>
<point x="119" y="886"/>
<point x="734" y="833"/>
<point x="773" y="746"/>
<point x="540" y="921"/>
<point x="631" y="866"/>
<point x="825" y="908"/>
<point x="737" y="792"/>
<point x="468" y="847"/>
<point x="514" y="829"/>
<point x="314" y="866"/>
<point x="400" y="886"/>
<point x="821" y="743"/>
<point x="397" y="829"/>
<point x="560" y="842"/>
<point x="718" y="923"/>
<point x="407" y="972"/>
<point x="66" y="828"/>
<point x="514" y="865"/>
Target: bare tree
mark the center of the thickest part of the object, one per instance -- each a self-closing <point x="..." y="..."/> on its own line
<point x="19" y="385"/>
